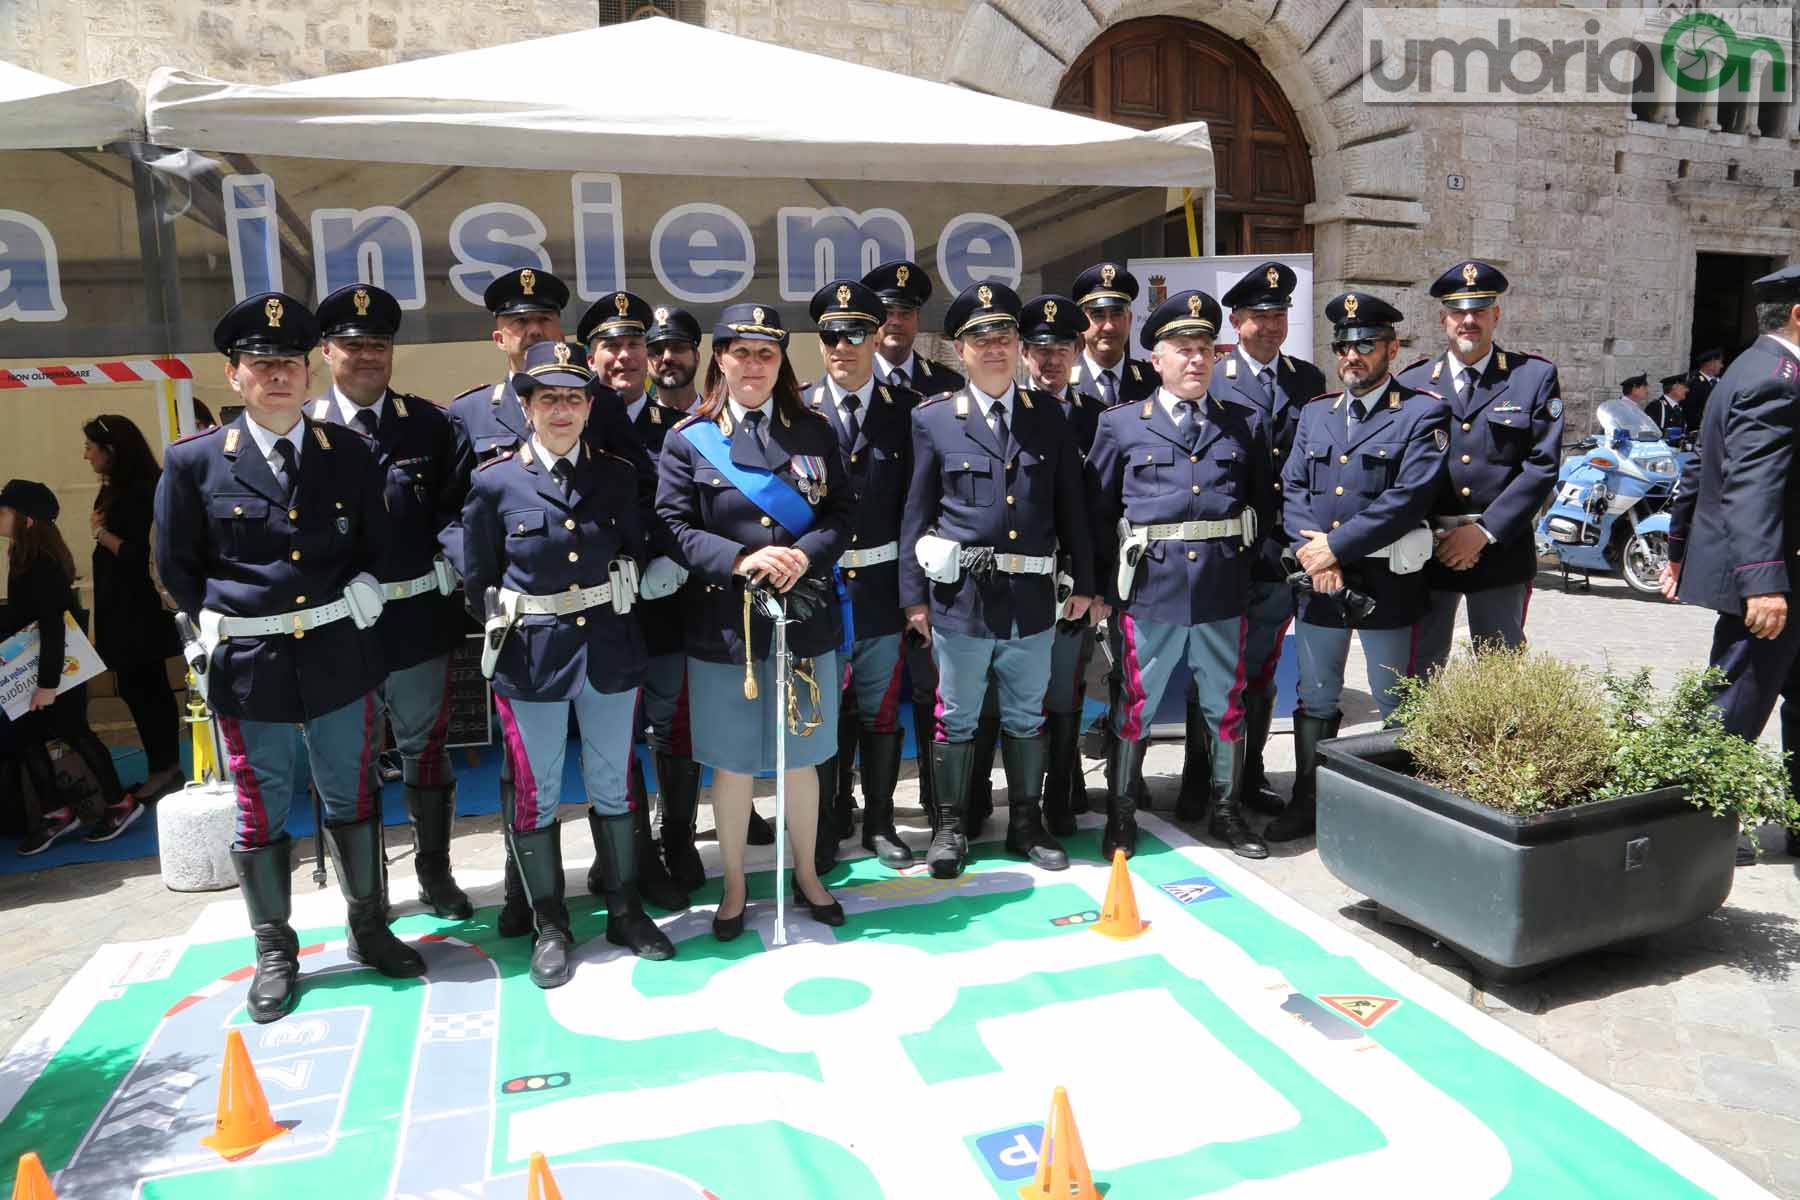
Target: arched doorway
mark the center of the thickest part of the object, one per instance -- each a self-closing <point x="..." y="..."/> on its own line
<point x="1163" y="71"/>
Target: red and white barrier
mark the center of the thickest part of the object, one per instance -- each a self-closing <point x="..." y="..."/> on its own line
<point x="136" y="370"/>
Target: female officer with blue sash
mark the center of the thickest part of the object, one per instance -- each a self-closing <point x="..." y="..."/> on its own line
<point x="754" y="489"/>
<point x="553" y="536"/>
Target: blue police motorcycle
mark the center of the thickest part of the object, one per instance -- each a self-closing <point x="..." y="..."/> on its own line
<point x="1610" y="509"/>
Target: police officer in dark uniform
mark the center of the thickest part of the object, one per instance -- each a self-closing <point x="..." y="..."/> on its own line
<point x="1709" y="364"/>
<point x="613" y="330"/>
<point x="1051" y="326"/>
<point x="1259" y="373"/>
<point x="673" y="341"/>
<point x="995" y="493"/>
<point x="1105" y="292"/>
<point x="873" y="424"/>
<point x="1506" y="427"/>
<point x="421" y="622"/>
<point x="1183" y="481"/>
<point x="557" y="533"/>
<point x="269" y="533"/>
<point x="1668" y="410"/>
<point x="1358" y="487"/>
<point x="1739" y="556"/>
<point x="904" y="287"/>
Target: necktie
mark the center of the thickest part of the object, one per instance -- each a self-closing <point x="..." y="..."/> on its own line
<point x="1109" y="388"/>
<point x="365" y="423"/>
<point x="852" y="424"/>
<point x="1466" y="380"/>
<point x="289" y="473"/>
<point x="753" y="427"/>
<point x="1186" y="424"/>
<point x="563" y="472"/>
<point x="1353" y="416"/>
<point x="899" y="378"/>
<point x="998" y="412"/>
<point x="1267" y="375"/>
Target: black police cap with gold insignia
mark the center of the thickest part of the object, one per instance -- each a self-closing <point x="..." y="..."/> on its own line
<point x="1105" y="285"/>
<point x="1185" y="314"/>
<point x="269" y="323"/>
<point x="846" y="306"/>
<point x="1669" y="381"/>
<point x="1358" y="315"/>
<point x="525" y="290"/>
<point x="552" y="364"/>
<point x="616" y="314"/>
<point x="1626" y="386"/>
<point x="980" y="307"/>
<point x="750" y="323"/>
<point x="1470" y="284"/>
<point x="672" y="324"/>
<point x="359" y="310"/>
<point x="1263" y="288"/>
<point x="900" y="283"/>
<point x="1778" y="286"/>
<point x="1051" y="318"/>
<point x="1710" y="354"/>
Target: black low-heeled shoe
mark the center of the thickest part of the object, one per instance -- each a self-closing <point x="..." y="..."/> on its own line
<point x="824" y="914"/>
<point x="727" y="928"/>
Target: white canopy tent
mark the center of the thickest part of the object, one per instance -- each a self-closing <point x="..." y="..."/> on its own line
<point x="604" y="98"/>
<point x="41" y="113"/>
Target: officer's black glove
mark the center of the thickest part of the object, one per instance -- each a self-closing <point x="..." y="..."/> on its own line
<point x="810" y="595"/>
<point x="1357" y="606"/>
<point x="978" y="561"/>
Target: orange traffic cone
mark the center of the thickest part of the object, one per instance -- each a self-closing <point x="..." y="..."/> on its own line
<point x="541" y="1185"/>
<point x="1062" y="1163"/>
<point x="32" y="1183"/>
<point x="1119" y="915"/>
<point x="244" y="1123"/>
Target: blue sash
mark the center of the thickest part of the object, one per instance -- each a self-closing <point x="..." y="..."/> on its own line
<point x="774" y="496"/>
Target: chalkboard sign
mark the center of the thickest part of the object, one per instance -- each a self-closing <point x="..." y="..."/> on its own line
<point x="469" y="696"/>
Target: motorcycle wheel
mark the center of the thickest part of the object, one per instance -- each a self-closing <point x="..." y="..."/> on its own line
<point x="1642" y="561"/>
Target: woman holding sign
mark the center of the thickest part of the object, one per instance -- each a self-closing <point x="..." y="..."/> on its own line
<point x="754" y="489"/>
<point x="40" y="589"/>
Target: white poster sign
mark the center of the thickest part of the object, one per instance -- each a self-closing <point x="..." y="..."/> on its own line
<point x="19" y="665"/>
<point x="1160" y="278"/>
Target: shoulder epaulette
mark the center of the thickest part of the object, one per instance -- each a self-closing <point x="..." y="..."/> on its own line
<point x="503" y="456"/>
<point x="1534" y="354"/>
<point x="474" y="391"/>
<point x="1415" y="363"/>
<point x="814" y="414"/>
<point x="1327" y="395"/>
<point x="199" y="433"/>
<point x="686" y="421"/>
<point x="928" y="401"/>
<point x="1429" y="392"/>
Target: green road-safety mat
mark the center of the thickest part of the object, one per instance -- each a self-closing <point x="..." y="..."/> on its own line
<point x="1239" y="1044"/>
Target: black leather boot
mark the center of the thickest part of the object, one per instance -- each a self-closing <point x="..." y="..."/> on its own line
<point x="1228" y="824"/>
<point x="541" y="872"/>
<point x="356" y="853"/>
<point x="1124" y="768"/>
<point x="881" y="771"/>
<point x="924" y="734"/>
<point x="515" y="913"/>
<point x="679" y="779"/>
<point x="653" y="880"/>
<point x="265" y="876"/>
<point x="1254" y="792"/>
<point x="1062" y="772"/>
<point x="826" y="840"/>
<point x="1301" y="816"/>
<point x="432" y="810"/>
<point x="621" y="851"/>
<point x="843" y="811"/>
<point x="950" y="766"/>
<point x="1025" y="832"/>
<point x="979" y="805"/>
<point x="1196" y="767"/>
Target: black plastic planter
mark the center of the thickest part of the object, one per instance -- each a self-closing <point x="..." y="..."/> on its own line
<point x="1515" y="894"/>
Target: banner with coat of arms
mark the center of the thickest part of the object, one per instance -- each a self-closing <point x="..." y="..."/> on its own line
<point x="1163" y="277"/>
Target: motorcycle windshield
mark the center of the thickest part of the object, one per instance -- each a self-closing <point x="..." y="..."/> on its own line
<point x="1620" y="415"/>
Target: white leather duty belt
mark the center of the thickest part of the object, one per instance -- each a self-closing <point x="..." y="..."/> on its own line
<point x="411" y="588"/>
<point x="294" y="624"/>
<point x="1193" y="531"/>
<point x="557" y="604"/>
<point x="874" y="556"/>
<point x="1025" y="564"/>
<point x="1446" y="524"/>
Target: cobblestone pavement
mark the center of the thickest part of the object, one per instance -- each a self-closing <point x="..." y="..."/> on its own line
<point x="1701" y="1026"/>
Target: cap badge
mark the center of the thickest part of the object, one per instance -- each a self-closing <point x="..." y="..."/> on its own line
<point x="272" y="310"/>
<point x="1194" y="303"/>
<point x="622" y="305"/>
<point x="1273" y="275"/>
<point x="902" y="274"/>
<point x="1470" y="274"/>
<point x="360" y="298"/>
<point x="1350" y="303"/>
<point x="843" y="295"/>
<point x="1050" y="311"/>
<point x="662" y="315"/>
<point x="562" y="353"/>
<point x="1107" y="274"/>
<point x="756" y="314"/>
<point x="527" y="281"/>
<point x="985" y="295"/>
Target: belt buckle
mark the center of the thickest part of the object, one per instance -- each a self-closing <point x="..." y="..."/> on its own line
<point x="299" y="626"/>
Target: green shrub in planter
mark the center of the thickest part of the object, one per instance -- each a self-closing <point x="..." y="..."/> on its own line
<point x="1525" y="733"/>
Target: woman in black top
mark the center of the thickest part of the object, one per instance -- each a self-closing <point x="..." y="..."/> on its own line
<point x="133" y="631"/>
<point x="40" y="585"/>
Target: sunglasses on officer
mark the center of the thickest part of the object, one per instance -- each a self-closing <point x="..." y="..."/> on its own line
<point x="830" y="340"/>
<point x="1362" y="346"/>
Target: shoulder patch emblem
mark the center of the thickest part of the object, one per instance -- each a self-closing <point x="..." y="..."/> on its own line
<point x="400" y="406"/>
<point x="1137" y="376"/>
<point x="1556" y="407"/>
<point x="231" y="440"/>
<point x="319" y="437"/>
<point x="1437" y="369"/>
<point x="505" y="456"/>
<point x="1231" y="367"/>
<point x="1500" y="359"/>
<point x="1442" y="438"/>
